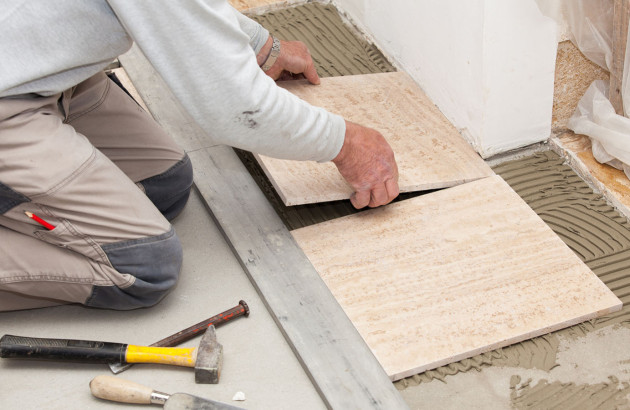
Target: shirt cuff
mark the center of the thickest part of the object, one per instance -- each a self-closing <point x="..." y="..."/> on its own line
<point x="258" y="35"/>
<point x="337" y="137"/>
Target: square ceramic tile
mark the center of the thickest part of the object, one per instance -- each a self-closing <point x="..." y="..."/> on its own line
<point x="429" y="151"/>
<point x="448" y="275"/>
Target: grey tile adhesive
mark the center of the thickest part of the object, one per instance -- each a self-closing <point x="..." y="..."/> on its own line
<point x="600" y="236"/>
<point x="335" y="49"/>
<point x="581" y="218"/>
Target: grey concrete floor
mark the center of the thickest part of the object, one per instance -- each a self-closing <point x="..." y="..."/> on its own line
<point x="257" y="359"/>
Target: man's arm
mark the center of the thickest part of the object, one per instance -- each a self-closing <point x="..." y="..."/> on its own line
<point x="208" y="62"/>
<point x="257" y="34"/>
<point x="376" y="181"/>
<point x="200" y="50"/>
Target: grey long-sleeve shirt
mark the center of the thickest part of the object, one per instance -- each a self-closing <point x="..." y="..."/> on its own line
<point x="204" y="50"/>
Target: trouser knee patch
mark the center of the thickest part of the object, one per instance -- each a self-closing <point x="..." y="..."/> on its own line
<point x="155" y="262"/>
<point x="10" y="198"/>
<point x="169" y="190"/>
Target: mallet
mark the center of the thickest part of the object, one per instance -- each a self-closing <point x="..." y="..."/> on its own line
<point x="184" y="335"/>
<point x="206" y="359"/>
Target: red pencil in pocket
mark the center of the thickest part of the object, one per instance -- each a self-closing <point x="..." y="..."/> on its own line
<point x="40" y="221"/>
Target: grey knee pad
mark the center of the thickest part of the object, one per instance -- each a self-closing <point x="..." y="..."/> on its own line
<point x="169" y="190"/>
<point x="9" y="198"/>
<point x="155" y="262"/>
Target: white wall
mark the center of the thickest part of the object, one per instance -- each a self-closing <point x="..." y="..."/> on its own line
<point x="556" y="10"/>
<point x="487" y="64"/>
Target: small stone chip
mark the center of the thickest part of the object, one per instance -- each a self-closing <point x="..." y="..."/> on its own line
<point x="239" y="396"/>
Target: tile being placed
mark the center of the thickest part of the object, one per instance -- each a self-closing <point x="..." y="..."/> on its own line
<point x="429" y="151"/>
<point x="445" y="276"/>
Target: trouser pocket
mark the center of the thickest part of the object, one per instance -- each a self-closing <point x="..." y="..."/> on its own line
<point x="68" y="237"/>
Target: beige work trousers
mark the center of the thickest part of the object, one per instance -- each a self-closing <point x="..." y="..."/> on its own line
<point x="85" y="161"/>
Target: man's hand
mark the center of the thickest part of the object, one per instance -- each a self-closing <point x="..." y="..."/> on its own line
<point x="367" y="162"/>
<point x="294" y="58"/>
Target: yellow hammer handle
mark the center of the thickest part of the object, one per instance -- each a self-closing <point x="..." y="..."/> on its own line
<point x="177" y="356"/>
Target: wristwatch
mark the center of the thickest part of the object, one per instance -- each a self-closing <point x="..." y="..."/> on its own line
<point x="273" y="55"/>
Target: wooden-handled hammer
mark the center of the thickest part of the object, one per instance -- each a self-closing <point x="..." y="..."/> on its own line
<point x="206" y="359"/>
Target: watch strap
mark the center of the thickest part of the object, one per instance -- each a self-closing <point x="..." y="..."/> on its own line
<point x="273" y="55"/>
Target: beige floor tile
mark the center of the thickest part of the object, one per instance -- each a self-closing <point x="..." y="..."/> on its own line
<point x="451" y="274"/>
<point x="429" y="150"/>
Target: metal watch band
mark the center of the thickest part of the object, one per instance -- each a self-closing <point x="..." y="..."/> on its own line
<point x="273" y="56"/>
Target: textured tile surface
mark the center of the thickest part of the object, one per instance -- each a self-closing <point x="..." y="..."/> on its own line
<point x="429" y="151"/>
<point x="452" y="274"/>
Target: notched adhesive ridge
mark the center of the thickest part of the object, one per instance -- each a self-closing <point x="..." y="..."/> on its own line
<point x="335" y="49"/>
<point x="545" y="395"/>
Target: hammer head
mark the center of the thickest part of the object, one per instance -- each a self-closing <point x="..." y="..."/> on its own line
<point x="209" y="358"/>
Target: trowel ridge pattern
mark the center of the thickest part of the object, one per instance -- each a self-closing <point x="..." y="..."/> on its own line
<point x="546" y="395"/>
<point x="335" y="49"/>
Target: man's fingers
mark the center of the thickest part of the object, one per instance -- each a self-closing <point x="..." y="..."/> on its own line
<point x="294" y="62"/>
<point x="311" y="73"/>
<point x="367" y="163"/>
<point x="383" y="194"/>
<point x="360" y="199"/>
<point x="392" y="188"/>
<point x="378" y="196"/>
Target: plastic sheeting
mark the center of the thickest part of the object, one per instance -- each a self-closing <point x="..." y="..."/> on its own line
<point x="591" y="25"/>
<point x="609" y="132"/>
